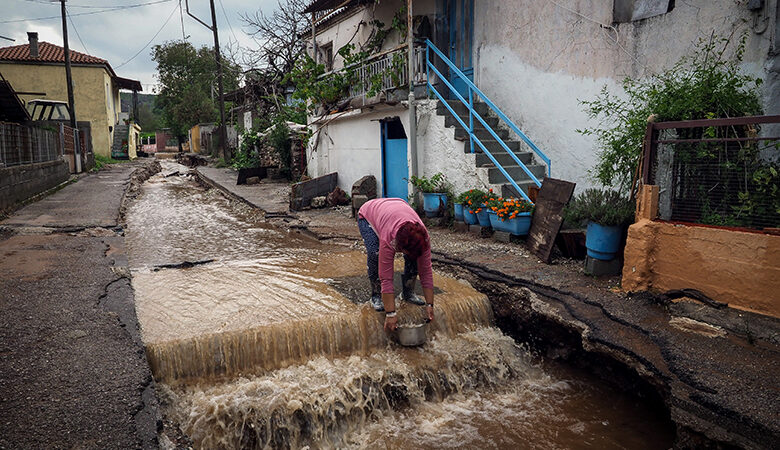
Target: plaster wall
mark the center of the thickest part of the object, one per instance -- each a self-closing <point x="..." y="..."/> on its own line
<point x="89" y="94"/>
<point x="438" y="151"/>
<point x="740" y="268"/>
<point x="350" y="144"/>
<point x="536" y="60"/>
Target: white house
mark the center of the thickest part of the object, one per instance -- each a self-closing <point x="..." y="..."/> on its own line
<point x="532" y="60"/>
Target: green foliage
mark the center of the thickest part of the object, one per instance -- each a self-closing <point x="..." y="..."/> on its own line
<point x="435" y="184"/>
<point x="279" y="139"/>
<point x="221" y="164"/>
<point x="101" y="162"/>
<point x="247" y="156"/>
<point x="318" y="89"/>
<point x="186" y="76"/>
<point x="705" y="84"/>
<point x="603" y="206"/>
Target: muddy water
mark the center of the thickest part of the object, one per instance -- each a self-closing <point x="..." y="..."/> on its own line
<point x="257" y="346"/>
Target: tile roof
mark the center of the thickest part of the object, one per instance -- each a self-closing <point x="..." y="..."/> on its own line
<point x="47" y="53"/>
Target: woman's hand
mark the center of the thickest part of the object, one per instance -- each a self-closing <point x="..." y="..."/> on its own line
<point x="391" y="323"/>
<point x="429" y="310"/>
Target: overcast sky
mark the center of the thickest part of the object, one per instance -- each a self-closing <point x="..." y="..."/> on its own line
<point x="118" y="35"/>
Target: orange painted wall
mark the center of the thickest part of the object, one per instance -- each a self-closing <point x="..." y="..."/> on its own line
<point x="740" y="268"/>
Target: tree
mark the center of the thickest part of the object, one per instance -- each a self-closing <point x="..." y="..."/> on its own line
<point x="188" y="92"/>
<point x="279" y="36"/>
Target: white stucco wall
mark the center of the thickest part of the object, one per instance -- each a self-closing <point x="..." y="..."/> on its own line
<point x="350" y="143"/>
<point x="536" y="60"/>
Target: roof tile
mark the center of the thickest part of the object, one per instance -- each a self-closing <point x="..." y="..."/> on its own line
<point x="47" y="53"/>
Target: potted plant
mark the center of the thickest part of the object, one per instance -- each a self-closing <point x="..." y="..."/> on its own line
<point x="512" y="215"/>
<point x="457" y="205"/>
<point x="473" y="199"/>
<point x="434" y="192"/>
<point x="607" y="213"/>
<point x="571" y="238"/>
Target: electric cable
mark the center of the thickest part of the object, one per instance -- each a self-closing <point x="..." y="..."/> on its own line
<point x="152" y="39"/>
<point x="110" y="9"/>
<point x="228" y="21"/>
<point x="77" y="31"/>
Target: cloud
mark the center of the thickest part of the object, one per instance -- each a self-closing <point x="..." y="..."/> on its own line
<point x="118" y="35"/>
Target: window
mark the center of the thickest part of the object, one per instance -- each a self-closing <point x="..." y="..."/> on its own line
<point x="326" y="56"/>
<point x="631" y="10"/>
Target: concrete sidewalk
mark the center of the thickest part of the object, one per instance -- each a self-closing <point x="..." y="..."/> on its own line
<point x="73" y="373"/>
<point x="714" y="370"/>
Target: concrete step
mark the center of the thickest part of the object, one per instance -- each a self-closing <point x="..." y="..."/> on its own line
<point x="507" y="190"/>
<point x="481" y="133"/>
<point x="493" y="146"/>
<point x="503" y="158"/>
<point x="450" y="121"/>
<point x="516" y="173"/>
<point x="460" y="108"/>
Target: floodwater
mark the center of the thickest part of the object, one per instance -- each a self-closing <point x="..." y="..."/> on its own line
<point x="255" y="345"/>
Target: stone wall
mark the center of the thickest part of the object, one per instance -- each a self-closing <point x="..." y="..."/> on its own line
<point x="19" y="183"/>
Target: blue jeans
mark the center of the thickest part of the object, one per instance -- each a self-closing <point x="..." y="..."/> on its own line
<point x="371" y="241"/>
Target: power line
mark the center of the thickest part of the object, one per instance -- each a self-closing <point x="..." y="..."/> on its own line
<point x="153" y="37"/>
<point x="77" y="32"/>
<point x="111" y="9"/>
<point x="228" y="21"/>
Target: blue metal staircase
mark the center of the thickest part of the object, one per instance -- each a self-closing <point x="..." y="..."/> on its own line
<point x="477" y="120"/>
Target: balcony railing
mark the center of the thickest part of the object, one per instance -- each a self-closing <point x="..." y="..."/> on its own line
<point x="382" y="73"/>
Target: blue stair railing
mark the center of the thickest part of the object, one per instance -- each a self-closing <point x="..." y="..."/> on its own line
<point x="472" y="89"/>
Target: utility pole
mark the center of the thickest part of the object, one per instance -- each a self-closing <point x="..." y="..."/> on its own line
<point x="68" y="75"/>
<point x="224" y="152"/>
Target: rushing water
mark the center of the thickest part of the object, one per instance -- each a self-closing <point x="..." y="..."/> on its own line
<point x="257" y="347"/>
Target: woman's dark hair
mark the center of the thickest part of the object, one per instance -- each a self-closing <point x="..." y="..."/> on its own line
<point x="412" y="237"/>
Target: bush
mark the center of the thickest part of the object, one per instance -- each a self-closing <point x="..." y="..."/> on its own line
<point x="435" y="184"/>
<point x="703" y="85"/>
<point x="603" y="206"/>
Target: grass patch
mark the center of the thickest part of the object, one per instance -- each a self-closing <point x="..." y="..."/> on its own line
<point x="101" y="161"/>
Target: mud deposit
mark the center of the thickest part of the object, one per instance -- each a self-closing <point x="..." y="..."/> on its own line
<point x="259" y="339"/>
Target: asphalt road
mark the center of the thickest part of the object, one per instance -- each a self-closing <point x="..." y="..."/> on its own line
<point x="72" y="368"/>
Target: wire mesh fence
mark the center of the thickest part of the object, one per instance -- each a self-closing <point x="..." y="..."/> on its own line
<point x="720" y="172"/>
<point x="21" y="144"/>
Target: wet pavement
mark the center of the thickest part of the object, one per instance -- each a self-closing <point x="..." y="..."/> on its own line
<point x="717" y="386"/>
<point x="72" y="369"/>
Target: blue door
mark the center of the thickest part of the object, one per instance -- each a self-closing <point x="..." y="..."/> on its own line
<point x="395" y="166"/>
<point x="460" y="14"/>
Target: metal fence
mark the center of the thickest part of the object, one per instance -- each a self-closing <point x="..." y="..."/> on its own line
<point x="723" y="172"/>
<point x="21" y="144"/>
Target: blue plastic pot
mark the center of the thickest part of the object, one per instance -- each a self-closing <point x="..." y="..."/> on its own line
<point x="469" y="217"/>
<point x="603" y="242"/>
<point x="458" y="211"/>
<point x="482" y="217"/>
<point x="518" y="226"/>
<point x="431" y="202"/>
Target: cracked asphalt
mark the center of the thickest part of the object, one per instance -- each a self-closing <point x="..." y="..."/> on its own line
<point x="73" y="373"/>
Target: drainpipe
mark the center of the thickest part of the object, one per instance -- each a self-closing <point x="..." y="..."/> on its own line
<point x="412" y="106"/>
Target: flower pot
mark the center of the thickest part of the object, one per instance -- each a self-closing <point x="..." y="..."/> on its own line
<point x="518" y="226"/>
<point x="470" y="217"/>
<point x="482" y="217"/>
<point x="603" y="242"/>
<point x="458" y="207"/>
<point x="432" y="203"/>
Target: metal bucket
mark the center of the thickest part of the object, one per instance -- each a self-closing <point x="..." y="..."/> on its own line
<point x="412" y="335"/>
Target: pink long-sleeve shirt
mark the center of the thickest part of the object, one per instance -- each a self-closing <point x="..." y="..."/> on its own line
<point x="386" y="216"/>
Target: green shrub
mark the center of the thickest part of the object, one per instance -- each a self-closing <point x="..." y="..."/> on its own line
<point x="435" y="184"/>
<point x="603" y="206"/>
